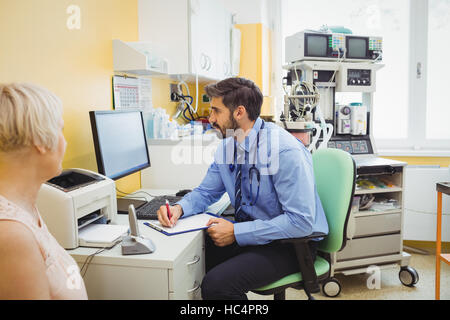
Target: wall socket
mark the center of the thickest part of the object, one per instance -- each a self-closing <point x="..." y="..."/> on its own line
<point x="174" y="89"/>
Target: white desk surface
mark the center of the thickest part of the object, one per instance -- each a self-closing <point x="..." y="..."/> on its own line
<point x="168" y="248"/>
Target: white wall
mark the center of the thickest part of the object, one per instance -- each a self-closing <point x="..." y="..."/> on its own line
<point x="248" y="11"/>
<point x="420" y="202"/>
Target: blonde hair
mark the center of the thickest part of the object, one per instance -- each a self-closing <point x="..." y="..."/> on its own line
<point x="29" y="115"/>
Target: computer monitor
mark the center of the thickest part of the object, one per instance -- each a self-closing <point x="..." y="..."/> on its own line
<point x="120" y="142"/>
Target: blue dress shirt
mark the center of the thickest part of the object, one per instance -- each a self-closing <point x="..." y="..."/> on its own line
<point x="287" y="206"/>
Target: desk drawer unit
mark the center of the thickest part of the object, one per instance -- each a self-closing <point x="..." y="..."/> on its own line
<point x="188" y="272"/>
<point x="377" y="224"/>
<point x="370" y="247"/>
<point x="111" y="282"/>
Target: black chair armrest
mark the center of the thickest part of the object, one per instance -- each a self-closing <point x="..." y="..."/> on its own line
<point x="306" y="239"/>
<point x="305" y="260"/>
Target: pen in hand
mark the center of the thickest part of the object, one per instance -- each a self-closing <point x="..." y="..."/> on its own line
<point x="168" y="210"/>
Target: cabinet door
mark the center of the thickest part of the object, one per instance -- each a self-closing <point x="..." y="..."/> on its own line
<point x="165" y="24"/>
<point x="227" y="44"/>
<point x="202" y="43"/>
<point x="223" y="43"/>
<point x="198" y="60"/>
<point x="211" y="37"/>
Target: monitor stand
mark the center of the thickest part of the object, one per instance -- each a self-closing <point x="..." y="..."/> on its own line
<point x="124" y="203"/>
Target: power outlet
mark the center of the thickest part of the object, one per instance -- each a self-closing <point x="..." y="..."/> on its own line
<point x="173" y="90"/>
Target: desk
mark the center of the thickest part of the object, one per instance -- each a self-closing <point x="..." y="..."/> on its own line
<point x="174" y="271"/>
<point x="441" y="187"/>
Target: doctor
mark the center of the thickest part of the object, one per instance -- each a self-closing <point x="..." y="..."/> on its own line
<point x="269" y="177"/>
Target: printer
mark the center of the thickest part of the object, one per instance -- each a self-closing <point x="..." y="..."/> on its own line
<point x="73" y="200"/>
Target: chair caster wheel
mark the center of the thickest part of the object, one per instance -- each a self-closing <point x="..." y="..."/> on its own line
<point x="331" y="287"/>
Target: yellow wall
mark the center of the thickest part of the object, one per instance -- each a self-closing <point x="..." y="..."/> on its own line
<point x="38" y="47"/>
<point x="256" y="60"/>
<point x="161" y="96"/>
<point x="442" y="161"/>
<point x="75" y="64"/>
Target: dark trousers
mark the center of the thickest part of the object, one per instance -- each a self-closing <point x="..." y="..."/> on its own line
<point x="232" y="271"/>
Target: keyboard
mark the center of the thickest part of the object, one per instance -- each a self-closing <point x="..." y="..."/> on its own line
<point x="148" y="211"/>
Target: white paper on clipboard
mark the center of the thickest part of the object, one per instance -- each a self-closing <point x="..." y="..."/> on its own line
<point x="183" y="225"/>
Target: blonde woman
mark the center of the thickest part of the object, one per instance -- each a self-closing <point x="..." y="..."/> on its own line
<point x="32" y="263"/>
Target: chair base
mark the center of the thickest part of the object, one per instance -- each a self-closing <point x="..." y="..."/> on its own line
<point x="280" y="295"/>
<point x="280" y="292"/>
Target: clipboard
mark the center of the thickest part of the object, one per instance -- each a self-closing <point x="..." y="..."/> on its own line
<point x="192" y="223"/>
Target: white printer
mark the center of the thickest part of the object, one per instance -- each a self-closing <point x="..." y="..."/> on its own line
<point x="74" y="199"/>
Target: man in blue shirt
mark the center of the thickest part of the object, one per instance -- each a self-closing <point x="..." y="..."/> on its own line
<point x="268" y="175"/>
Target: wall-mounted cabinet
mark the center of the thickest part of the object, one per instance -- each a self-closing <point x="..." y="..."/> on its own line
<point x="193" y="35"/>
<point x="137" y="58"/>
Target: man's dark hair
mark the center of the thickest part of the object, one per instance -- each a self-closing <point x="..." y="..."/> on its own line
<point x="237" y="92"/>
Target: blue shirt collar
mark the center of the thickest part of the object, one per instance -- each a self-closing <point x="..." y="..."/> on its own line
<point x="251" y="137"/>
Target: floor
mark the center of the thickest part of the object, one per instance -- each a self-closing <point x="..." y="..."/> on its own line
<point x="355" y="287"/>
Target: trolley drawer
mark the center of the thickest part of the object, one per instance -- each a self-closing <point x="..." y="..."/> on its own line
<point x="370" y="246"/>
<point x="377" y="224"/>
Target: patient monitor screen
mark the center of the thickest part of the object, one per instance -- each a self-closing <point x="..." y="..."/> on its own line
<point x="316" y="45"/>
<point x="357" y="48"/>
<point x="120" y="142"/>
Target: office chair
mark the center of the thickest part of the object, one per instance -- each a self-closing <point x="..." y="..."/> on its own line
<point x="335" y="175"/>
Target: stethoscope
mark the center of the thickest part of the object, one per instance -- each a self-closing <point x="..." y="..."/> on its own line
<point x="253" y="170"/>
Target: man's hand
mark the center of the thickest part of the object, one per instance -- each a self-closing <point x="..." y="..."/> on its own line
<point x="221" y="231"/>
<point x="176" y="211"/>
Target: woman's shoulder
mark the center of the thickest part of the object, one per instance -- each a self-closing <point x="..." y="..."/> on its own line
<point x="22" y="261"/>
<point x="16" y="227"/>
<point x="17" y="237"/>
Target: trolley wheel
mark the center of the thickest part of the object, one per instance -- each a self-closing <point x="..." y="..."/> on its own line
<point x="408" y="276"/>
<point x="331" y="287"/>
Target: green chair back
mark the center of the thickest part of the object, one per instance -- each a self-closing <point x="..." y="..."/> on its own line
<point x="335" y="175"/>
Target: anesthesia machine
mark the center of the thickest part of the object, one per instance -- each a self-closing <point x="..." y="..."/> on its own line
<point x="328" y="103"/>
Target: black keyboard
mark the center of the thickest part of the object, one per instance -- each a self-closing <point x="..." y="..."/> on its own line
<point x="148" y="211"/>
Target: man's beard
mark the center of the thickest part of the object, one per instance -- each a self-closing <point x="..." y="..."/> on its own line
<point x="228" y="129"/>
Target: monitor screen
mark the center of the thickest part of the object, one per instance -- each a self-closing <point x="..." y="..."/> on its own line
<point x="316" y="45"/>
<point x="120" y="142"/>
<point x="357" y="48"/>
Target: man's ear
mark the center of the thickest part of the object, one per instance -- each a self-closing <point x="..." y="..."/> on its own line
<point x="41" y="149"/>
<point x="239" y="112"/>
